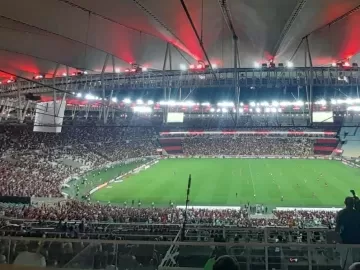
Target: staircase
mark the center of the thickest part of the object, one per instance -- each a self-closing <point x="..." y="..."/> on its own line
<point x="351" y="147"/>
<point x="172" y="146"/>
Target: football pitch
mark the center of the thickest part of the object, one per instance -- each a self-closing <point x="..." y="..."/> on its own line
<point x="234" y="182"/>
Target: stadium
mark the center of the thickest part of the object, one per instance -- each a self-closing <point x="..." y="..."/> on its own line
<point x="179" y="134"/>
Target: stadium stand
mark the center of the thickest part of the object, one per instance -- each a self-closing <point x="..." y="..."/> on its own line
<point x="325" y="146"/>
<point x="171" y="145"/>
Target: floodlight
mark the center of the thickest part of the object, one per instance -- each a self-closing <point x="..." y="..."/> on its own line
<point x="183" y="67"/>
<point x="192" y="66"/>
<point x="333" y="64"/>
<point x="150" y="102"/>
<point x="199" y="66"/>
<point x="214" y="66"/>
<point x="144" y="69"/>
<point x="258" y="110"/>
<point x="117" y="70"/>
<point x="141" y="109"/>
<point x="90" y="97"/>
<point x="64" y="74"/>
<point x="114" y="99"/>
<point x="85" y="72"/>
<point x="256" y="65"/>
<point x="212" y="110"/>
<point x="290" y="64"/>
<point x="252" y="104"/>
<point x="139" y="101"/>
<point x="127" y="100"/>
<point x="172" y="103"/>
<point x="79" y="95"/>
<point x="346" y="64"/>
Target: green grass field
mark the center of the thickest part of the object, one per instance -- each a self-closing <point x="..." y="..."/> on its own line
<point x="215" y="182"/>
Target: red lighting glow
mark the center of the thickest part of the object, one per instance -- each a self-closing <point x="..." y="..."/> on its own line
<point x="346" y="64"/>
<point x="133" y="69"/>
<point x="192" y="66"/>
<point x="127" y="70"/>
<point x="199" y="66"/>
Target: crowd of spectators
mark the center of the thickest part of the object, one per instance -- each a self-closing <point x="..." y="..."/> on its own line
<point x="239" y="145"/>
<point x="95" y="212"/>
<point x="35" y="164"/>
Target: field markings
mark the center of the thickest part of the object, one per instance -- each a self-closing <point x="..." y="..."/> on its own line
<point x="251" y="176"/>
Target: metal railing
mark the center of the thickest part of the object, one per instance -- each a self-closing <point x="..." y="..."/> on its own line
<point x="105" y="252"/>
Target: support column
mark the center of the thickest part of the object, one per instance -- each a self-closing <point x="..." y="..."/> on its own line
<point x="3" y="110"/>
<point x="266" y="235"/>
<point x="236" y="80"/>
<point x="102" y="108"/>
<point x="311" y="82"/>
<point x="169" y="52"/>
<point x="165" y="91"/>
<point x="25" y="110"/>
<point x="107" y="109"/>
<point x="54" y="92"/>
<point x="19" y="103"/>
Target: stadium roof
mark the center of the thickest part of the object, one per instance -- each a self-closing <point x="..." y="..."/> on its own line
<point x="39" y="34"/>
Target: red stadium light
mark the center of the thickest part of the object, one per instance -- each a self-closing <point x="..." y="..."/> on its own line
<point x="133" y="70"/>
<point x="127" y="70"/>
<point x="346" y="64"/>
<point x="199" y="66"/>
<point x="192" y="66"/>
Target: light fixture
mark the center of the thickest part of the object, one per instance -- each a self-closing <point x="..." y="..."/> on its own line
<point x="127" y="100"/>
<point x="183" y="67"/>
<point x="117" y="70"/>
<point x="256" y="65"/>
